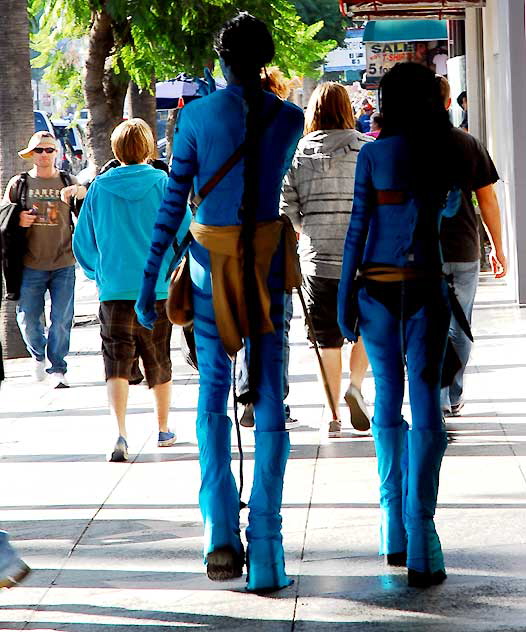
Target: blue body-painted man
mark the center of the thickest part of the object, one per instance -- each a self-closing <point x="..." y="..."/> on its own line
<point x="209" y="131"/>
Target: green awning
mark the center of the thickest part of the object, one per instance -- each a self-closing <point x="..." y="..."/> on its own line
<point x="405" y="30"/>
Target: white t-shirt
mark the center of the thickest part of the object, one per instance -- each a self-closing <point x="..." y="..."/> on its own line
<point x="440" y="62"/>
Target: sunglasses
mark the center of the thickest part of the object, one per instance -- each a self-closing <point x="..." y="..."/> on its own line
<point x="41" y="150"/>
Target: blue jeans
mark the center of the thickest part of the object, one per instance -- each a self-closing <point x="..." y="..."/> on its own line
<point x="30" y="314"/>
<point x="242" y="368"/>
<point x="465" y="279"/>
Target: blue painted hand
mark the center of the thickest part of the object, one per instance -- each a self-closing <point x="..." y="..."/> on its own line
<point x="145" y="307"/>
<point x="206" y="85"/>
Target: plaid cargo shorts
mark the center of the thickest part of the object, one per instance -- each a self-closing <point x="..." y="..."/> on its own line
<point x="124" y="341"/>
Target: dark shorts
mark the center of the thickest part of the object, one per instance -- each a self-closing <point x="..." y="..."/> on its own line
<point x="321" y="297"/>
<point x="124" y="341"/>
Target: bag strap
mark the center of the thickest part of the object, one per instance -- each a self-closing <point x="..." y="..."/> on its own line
<point x="67" y="181"/>
<point x="233" y="159"/>
<point x="21" y="190"/>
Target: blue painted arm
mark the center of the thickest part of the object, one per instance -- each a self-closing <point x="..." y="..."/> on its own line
<point x="172" y="213"/>
<point x="355" y="241"/>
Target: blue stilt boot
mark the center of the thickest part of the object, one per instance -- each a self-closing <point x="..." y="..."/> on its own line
<point x="219" y="499"/>
<point x="265" y="556"/>
<point x="425" y="562"/>
<point x="391" y="453"/>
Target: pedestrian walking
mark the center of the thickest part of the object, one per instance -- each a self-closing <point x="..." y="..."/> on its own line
<point x="393" y="265"/>
<point x="44" y="231"/>
<point x="460" y="240"/>
<point x="236" y="261"/>
<point x="111" y="242"/>
<point x="376" y="125"/>
<point x="317" y="196"/>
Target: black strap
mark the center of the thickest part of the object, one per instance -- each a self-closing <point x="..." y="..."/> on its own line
<point x="67" y="181"/>
<point x="21" y="190"/>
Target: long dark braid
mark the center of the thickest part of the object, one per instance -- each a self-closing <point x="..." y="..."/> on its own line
<point x="245" y="45"/>
<point x="413" y="107"/>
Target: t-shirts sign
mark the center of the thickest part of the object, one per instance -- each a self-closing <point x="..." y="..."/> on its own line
<point x="382" y="56"/>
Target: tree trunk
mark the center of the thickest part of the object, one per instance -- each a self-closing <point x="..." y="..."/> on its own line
<point x="16" y="97"/>
<point x="104" y="89"/>
<point x="143" y="104"/>
<point x="308" y="88"/>
<point x="170" y="127"/>
<point x="16" y="126"/>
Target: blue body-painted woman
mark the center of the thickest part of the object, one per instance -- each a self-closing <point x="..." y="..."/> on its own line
<point x="392" y="252"/>
<point x="209" y="131"/>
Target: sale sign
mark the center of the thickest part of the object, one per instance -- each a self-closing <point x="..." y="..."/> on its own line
<point x="382" y="56"/>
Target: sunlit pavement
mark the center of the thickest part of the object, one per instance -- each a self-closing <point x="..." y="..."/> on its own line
<point x="118" y="546"/>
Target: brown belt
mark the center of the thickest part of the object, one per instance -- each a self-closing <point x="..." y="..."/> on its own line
<point x="391" y="197"/>
<point x="391" y="274"/>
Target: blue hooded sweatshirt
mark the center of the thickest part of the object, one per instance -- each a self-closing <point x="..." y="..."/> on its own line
<point x="114" y="231"/>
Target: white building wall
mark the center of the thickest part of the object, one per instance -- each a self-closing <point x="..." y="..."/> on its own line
<point x="504" y="99"/>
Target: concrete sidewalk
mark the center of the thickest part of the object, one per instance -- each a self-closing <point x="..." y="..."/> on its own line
<point x="119" y="545"/>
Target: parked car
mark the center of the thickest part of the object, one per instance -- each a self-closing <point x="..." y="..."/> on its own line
<point x="82" y="119"/>
<point x="71" y="137"/>
<point x="43" y="122"/>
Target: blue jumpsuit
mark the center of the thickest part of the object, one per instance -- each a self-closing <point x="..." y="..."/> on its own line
<point x="403" y="323"/>
<point x="209" y="131"/>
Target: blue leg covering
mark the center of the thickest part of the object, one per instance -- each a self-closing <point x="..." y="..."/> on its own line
<point x="391" y="452"/>
<point x="265" y="556"/>
<point x="218" y="496"/>
<point x="425" y="451"/>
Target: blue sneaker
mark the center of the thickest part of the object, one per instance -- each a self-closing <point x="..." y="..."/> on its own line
<point x="120" y="451"/>
<point x="166" y="439"/>
<point x="12" y="568"/>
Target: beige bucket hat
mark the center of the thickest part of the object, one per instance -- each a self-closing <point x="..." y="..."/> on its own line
<point x="39" y="138"/>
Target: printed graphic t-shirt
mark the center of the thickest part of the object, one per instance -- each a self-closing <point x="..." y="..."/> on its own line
<point x="49" y="238"/>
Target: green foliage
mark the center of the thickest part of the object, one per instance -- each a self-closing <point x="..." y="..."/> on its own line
<point x="326" y="10"/>
<point x="56" y="42"/>
<point x="160" y="38"/>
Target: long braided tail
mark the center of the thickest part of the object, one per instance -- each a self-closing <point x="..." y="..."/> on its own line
<point x="254" y="98"/>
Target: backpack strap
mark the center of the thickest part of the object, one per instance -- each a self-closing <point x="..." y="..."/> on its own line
<point x="21" y="190"/>
<point x="67" y="181"/>
<point x="66" y="178"/>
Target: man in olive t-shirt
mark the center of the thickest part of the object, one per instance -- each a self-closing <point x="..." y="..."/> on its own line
<point x="48" y="261"/>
